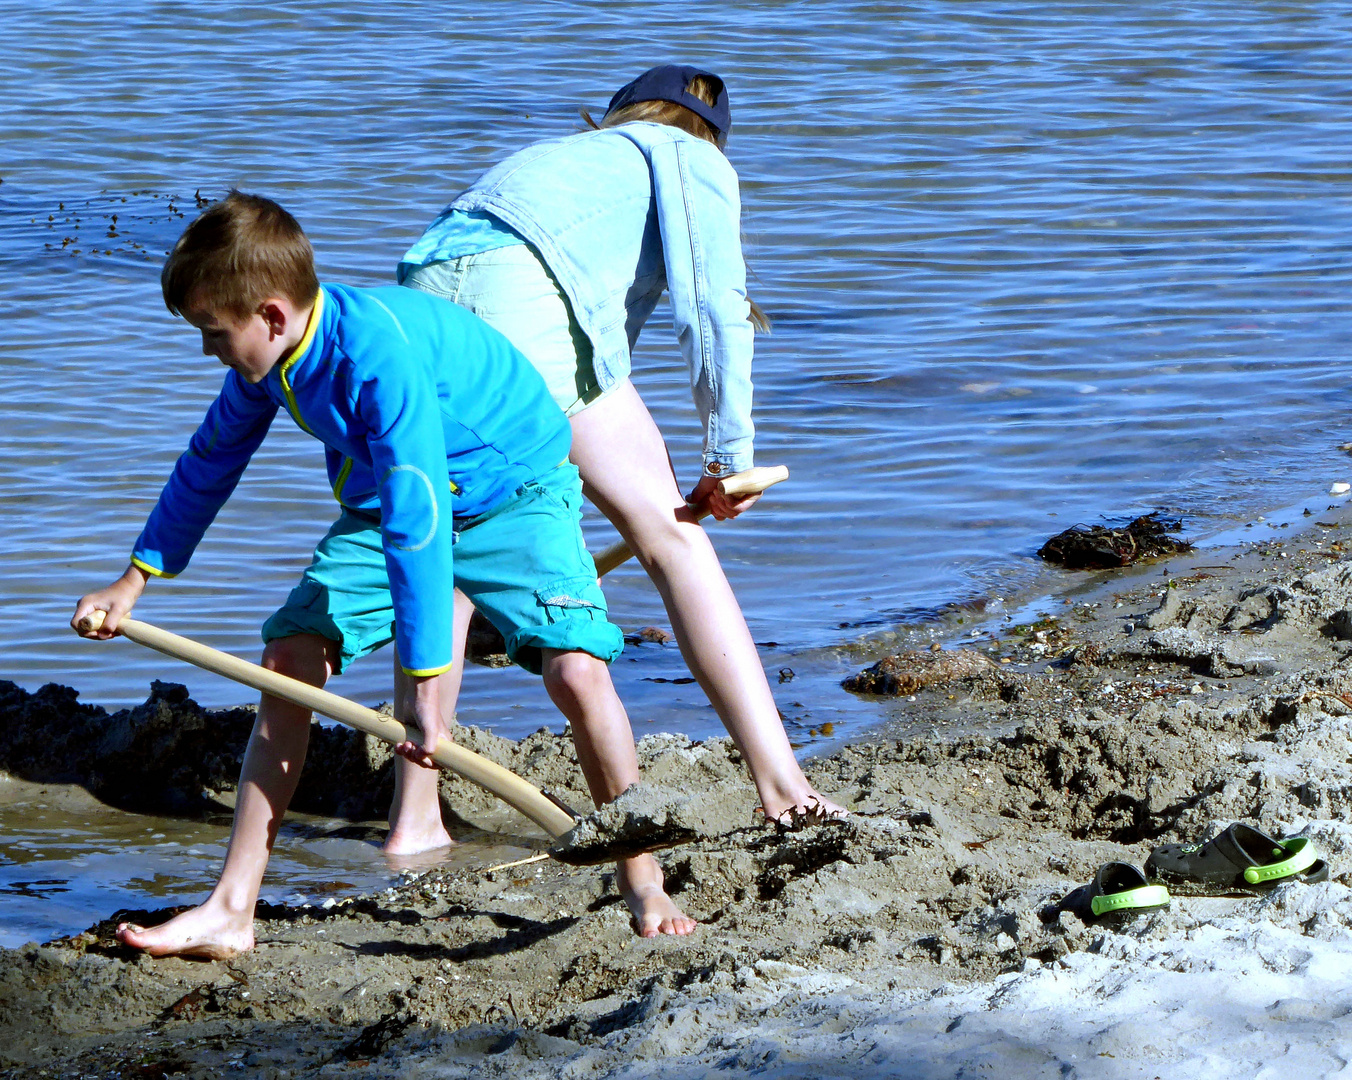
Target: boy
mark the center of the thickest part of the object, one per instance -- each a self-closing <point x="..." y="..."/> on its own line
<point x="449" y="461"/>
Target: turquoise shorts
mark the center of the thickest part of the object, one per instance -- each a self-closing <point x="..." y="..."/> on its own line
<point x="512" y="290"/>
<point x="524" y="565"/>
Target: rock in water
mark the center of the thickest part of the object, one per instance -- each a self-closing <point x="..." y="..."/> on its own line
<point x="1098" y="547"/>
<point x="909" y="671"/>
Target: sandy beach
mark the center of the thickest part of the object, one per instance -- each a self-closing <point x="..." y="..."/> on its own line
<point x="1026" y="267"/>
<point x="915" y="938"/>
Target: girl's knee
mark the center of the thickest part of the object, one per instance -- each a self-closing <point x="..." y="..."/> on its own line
<point x="663" y="540"/>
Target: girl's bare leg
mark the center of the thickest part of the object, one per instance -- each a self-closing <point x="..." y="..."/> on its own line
<point x="223" y="925"/>
<point x="415" y="813"/>
<point x="579" y="684"/>
<point x="627" y="474"/>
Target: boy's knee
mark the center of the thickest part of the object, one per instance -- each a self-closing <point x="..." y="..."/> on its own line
<point x="578" y="674"/>
<point x="307" y="657"/>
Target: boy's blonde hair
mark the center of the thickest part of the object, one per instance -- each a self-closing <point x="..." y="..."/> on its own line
<point x="236" y="254"/>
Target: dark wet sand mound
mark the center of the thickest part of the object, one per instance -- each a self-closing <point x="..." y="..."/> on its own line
<point x="170" y="755"/>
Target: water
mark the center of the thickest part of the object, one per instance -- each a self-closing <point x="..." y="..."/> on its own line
<point x="1027" y="267"/>
<point x="66" y="861"/>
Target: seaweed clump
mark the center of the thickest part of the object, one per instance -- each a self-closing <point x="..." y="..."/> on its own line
<point x="911" y="671"/>
<point x="1099" y="547"/>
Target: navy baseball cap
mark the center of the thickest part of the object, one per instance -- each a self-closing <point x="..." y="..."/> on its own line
<point x="668" y="83"/>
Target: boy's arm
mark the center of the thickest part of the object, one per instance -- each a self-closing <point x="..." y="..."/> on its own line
<point x="204" y="477"/>
<point x="202" y="480"/>
<point x="402" y="415"/>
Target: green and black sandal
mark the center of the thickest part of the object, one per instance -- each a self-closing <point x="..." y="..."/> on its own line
<point x="1240" y="859"/>
<point x="1117" y="889"/>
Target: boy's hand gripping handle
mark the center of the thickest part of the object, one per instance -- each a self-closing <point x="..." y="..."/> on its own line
<point x="546" y="811"/>
<point x="750" y="482"/>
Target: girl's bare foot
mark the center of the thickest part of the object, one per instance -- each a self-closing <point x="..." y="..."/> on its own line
<point x="805" y="804"/>
<point x="640" y="883"/>
<point x="204" y="931"/>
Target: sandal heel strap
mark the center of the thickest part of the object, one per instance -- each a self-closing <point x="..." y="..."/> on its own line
<point x="1147" y="896"/>
<point x="1300" y="857"/>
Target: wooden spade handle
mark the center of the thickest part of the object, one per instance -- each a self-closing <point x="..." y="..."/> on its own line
<point x="550" y="815"/>
<point x="750" y="482"/>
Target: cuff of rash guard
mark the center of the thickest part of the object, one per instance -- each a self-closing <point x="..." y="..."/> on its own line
<point x="153" y="571"/>
<point x="427" y="673"/>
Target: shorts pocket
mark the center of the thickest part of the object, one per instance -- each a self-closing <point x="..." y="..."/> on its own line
<point x="442" y="279"/>
<point x="571" y="598"/>
<point x="561" y="486"/>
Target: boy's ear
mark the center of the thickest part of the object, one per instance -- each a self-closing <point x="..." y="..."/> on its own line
<point x="276" y="314"/>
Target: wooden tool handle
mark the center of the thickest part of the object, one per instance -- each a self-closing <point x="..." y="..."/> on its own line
<point x="753" y="481"/>
<point x="749" y="482"/>
<point x="506" y="785"/>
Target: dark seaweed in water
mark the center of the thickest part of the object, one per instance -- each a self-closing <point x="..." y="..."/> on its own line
<point x="1098" y="547"/>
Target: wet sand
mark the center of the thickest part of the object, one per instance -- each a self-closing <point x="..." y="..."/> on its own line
<point x="912" y="937"/>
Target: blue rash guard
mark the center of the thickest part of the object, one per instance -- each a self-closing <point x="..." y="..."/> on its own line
<point x="429" y="417"/>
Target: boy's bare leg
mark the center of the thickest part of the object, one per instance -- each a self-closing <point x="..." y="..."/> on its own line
<point x="415" y="813"/>
<point x="579" y="684"/>
<point x="223" y="925"/>
<point x="627" y="474"/>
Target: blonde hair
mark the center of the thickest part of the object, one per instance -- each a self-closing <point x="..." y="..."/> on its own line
<point x="237" y="253"/>
<point x="670" y="113"/>
<point x="678" y="116"/>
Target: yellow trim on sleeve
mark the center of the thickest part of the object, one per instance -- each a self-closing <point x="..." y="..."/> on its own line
<point x="151" y="570"/>
<point x="427" y="673"/>
<point x="302" y="347"/>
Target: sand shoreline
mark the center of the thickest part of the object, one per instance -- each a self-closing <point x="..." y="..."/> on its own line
<point x="906" y="940"/>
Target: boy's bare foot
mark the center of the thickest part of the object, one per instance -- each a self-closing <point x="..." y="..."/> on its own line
<point x="203" y="931"/>
<point x="640" y="883"/>
<point x="404" y="840"/>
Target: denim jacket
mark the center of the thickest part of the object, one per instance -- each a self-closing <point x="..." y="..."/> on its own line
<point x="618" y="215"/>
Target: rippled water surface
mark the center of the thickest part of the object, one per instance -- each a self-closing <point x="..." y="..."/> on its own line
<point x="1028" y="265"/>
<point x="66" y="862"/>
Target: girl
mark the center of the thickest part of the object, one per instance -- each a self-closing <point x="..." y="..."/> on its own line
<point x="566" y="247"/>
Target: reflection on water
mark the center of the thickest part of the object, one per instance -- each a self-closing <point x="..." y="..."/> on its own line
<point x="1028" y="267"/>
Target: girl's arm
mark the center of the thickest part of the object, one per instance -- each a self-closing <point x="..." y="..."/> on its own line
<point x="699" y="213"/>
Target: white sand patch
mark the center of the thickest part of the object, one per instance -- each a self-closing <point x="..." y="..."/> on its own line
<point x="1265" y="992"/>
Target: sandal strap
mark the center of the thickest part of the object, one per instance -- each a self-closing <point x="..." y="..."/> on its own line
<point x="1147" y="896"/>
<point x="1227" y="844"/>
<point x="1300" y="857"/>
